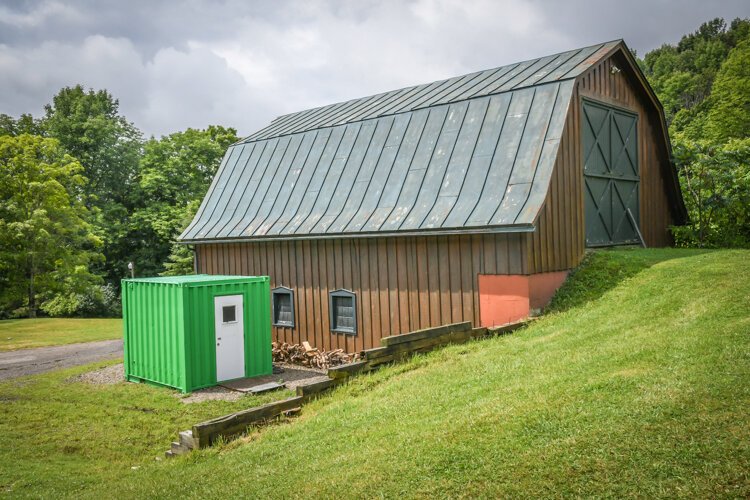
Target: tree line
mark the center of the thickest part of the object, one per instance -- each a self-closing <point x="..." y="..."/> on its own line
<point x="703" y="83"/>
<point x="82" y="193"/>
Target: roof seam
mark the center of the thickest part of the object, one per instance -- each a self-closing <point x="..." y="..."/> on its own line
<point x="354" y="179"/>
<point x="492" y="159"/>
<point x="395" y="157"/>
<point x="468" y="165"/>
<point x="376" y="161"/>
<point x="515" y="157"/>
<point x="541" y="151"/>
<point x="265" y="168"/>
<point x="416" y="148"/>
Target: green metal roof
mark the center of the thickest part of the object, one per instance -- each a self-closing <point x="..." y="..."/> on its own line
<point x="193" y="279"/>
<point x="471" y="153"/>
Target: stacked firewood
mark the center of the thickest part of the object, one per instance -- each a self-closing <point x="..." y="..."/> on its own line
<point x="306" y="355"/>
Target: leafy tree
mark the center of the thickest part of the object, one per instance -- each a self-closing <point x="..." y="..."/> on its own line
<point x="716" y="184"/>
<point x="704" y="85"/>
<point x="88" y="125"/>
<point x="179" y="262"/>
<point x="25" y="124"/>
<point x="46" y="243"/>
<point x="729" y="105"/>
<point x="175" y="174"/>
<point x="683" y="75"/>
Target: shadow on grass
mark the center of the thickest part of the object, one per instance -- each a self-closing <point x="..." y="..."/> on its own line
<point x="602" y="270"/>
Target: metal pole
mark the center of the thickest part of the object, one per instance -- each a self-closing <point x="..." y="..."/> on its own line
<point x="637" y="230"/>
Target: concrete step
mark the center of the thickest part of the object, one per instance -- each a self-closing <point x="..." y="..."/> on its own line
<point x="179" y="449"/>
<point x="186" y="439"/>
<point x="169" y="454"/>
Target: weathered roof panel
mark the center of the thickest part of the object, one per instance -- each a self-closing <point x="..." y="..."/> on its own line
<point x="470" y="153"/>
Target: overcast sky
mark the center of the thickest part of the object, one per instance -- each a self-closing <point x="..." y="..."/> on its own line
<point x="174" y="65"/>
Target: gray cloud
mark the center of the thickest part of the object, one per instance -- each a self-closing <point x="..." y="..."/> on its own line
<point x="241" y="63"/>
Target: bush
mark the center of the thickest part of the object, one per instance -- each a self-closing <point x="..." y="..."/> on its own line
<point x="96" y="301"/>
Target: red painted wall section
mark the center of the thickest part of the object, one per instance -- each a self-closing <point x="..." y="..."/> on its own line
<point x="502" y="298"/>
<point x="543" y="286"/>
<point x="507" y="298"/>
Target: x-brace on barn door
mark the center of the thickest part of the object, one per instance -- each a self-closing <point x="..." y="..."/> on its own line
<point x="610" y="173"/>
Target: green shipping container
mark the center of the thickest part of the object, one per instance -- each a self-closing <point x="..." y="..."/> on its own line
<point x="190" y="332"/>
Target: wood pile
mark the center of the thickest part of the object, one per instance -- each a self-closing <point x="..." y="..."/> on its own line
<point x="306" y="355"/>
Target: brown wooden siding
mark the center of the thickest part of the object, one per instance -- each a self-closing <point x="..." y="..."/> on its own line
<point x="402" y="284"/>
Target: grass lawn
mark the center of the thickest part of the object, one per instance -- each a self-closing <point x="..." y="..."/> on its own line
<point x="26" y="333"/>
<point x="636" y="384"/>
<point x="60" y="437"/>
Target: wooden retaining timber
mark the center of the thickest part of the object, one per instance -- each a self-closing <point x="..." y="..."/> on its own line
<point x="206" y="433"/>
<point x="394" y="349"/>
<point x="428" y="333"/>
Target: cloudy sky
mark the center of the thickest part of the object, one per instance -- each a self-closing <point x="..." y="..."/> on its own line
<point x="240" y="63"/>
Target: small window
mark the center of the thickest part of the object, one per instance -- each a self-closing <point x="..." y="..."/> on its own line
<point x="343" y="311"/>
<point x="229" y="314"/>
<point x="283" y="306"/>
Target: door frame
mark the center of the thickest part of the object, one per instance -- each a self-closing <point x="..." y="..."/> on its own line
<point x="244" y="333"/>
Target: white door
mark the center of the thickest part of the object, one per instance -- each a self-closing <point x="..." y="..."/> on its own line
<point x="230" y="337"/>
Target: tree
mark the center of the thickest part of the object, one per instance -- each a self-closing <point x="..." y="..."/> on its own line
<point x="175" y="173"/>
<point x="90" y="128"/>
<point x="729" y="114"/>
<point x="704" y="84"/>
<point x="26" y="124"/>
<point x="180" y="261"/>
<point x="715" y="180"/>
<point x="46" y="243"/>
<point x="683" y="75"/>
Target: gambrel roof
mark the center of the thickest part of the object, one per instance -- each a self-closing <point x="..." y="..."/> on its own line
<point x="468" y="154"/>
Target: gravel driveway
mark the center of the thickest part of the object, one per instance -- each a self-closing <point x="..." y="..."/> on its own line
<point x="42" y="359"/>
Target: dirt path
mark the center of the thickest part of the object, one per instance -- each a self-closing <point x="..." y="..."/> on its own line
<point x="42" y="359"/>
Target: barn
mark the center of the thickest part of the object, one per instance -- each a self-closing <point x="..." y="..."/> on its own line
<point x="466" y="199"/>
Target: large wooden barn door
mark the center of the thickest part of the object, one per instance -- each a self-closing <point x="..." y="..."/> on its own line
<point x="611" y="174"/>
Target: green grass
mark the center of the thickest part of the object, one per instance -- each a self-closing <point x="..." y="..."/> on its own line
<point x="60" y="436"/>
<point x="603" y="270"/>
<point x="26" y="333"/>
<point x="635" y="387"/>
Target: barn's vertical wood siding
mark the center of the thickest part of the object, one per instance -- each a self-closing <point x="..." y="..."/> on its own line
<point x="402" y="284"/>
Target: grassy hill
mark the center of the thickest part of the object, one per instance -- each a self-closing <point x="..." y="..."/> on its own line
<point x="637" y="384"/>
